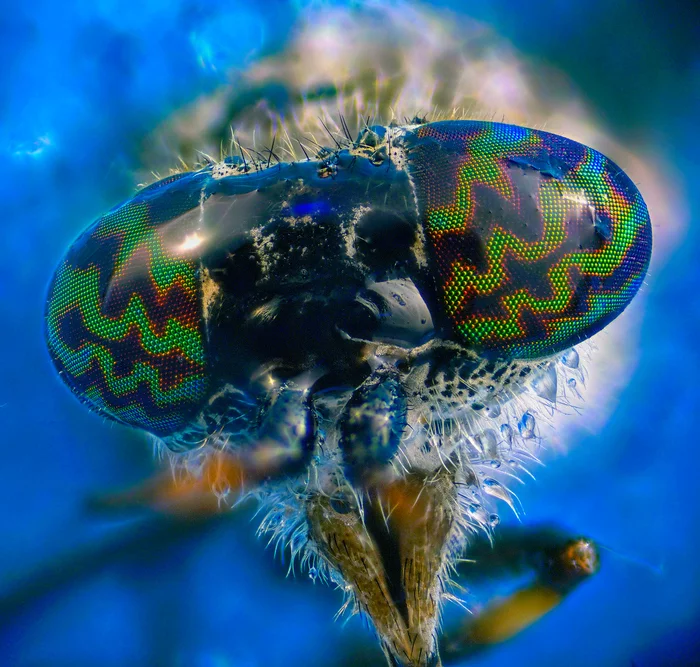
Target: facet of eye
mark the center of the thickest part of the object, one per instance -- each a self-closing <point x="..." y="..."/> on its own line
<point x="537" y="241"/>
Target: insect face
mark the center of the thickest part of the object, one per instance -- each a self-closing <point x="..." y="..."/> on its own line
<point x="363" y="333"/>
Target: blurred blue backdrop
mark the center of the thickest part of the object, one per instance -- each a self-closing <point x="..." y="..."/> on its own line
<point x="81" y="84"/>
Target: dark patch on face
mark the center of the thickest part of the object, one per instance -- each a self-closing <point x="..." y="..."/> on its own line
<point x="237" y="272"/>
<point x="304" y="250"/>
<point x="384" y="237"/>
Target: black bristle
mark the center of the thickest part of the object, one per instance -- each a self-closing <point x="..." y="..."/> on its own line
<point x="346" y="129"/>
<point x="330" y="134"/>
<point x="269" y="158"/>
<point x="303" y="149"/>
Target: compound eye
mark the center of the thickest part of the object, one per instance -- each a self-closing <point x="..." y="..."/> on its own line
<point x="384" y="237"/>
<point x="537" y="241"/>
<point x="124" y="311"/>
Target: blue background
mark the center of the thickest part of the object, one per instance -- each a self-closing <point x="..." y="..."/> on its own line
<point x="81" y="84"/>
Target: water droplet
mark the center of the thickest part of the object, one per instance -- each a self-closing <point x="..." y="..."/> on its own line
<point x="507" y="433"/>
<point x="497" y="490"/>
<point x="526" y="426"/>
<point x="488" y="443"/>
<point x="494" y="520"/>
<point x="570" y="358"/>
<point x="313" y="573"/>
<point x="571" y="382"/>
<point x="545" y="385"/>
<point x="495" y="464"/>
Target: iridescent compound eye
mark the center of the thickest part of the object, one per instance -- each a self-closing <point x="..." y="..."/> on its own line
<point x="124" y="311"/>
<point x="539" y="241"/>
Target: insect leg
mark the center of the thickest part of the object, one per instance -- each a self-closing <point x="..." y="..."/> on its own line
<point x="557" y="562"/>
<point x="282" y="445"/>
<point x="372" y="423"/>
<point x="285" y="438"/>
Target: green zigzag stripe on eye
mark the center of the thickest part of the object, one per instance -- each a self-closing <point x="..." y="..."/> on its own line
<point x="466" y="279"/>
<point x="78" y="362"/>
<point x="600" y="305"/>
<point x="598" y="263"/>
<point x="482" y="165"/>
<point x="130" y="223"/>
<point x="134" y="413"/>
<point x="538" y="241"/>
<point x="80" y="289"/>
